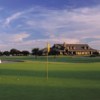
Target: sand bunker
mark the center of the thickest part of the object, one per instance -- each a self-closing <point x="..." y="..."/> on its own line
<point x="10" y="61"/>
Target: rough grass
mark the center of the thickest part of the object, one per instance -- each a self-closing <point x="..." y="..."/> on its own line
<point x="67" y="81"/>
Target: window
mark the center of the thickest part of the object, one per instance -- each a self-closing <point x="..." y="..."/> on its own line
<point x="73" y="48"/>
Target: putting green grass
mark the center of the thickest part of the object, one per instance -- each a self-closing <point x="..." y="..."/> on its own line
<point x="67" y="81"/>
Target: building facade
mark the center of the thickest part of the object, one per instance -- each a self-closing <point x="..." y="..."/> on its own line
<point x="74" y="49"/>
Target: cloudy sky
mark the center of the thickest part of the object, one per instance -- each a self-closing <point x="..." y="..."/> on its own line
<point x="25" y="24"/>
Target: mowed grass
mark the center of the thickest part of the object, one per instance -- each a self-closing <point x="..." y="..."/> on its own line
<point x="67" y="81"/>
<point x="68" y="59"/>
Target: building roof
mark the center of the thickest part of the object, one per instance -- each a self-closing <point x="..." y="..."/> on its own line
<point x="74" y="47"/>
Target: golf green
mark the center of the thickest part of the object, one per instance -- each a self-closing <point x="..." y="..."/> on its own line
<point x="66" y="81"/>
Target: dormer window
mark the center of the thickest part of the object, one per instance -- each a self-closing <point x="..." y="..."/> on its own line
<point x="73" y="47"/>
<point x="87" y="47"/>
<point x="70" y="47"/>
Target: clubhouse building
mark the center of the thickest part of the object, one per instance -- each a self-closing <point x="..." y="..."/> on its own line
<point x="73" y="49"/>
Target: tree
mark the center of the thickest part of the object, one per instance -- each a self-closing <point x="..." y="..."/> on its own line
<point x="15" y="52"/>
<point x="6" y="53"/>
<point x="25" y="53"/>
<point x="40" y="52"/>
<point x="35" y="52"/>
<point x="54" y="52"/>
<point x="96" y="53"/>
<point x="1" y="53"/>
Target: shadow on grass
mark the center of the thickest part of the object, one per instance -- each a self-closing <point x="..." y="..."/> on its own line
<point x="17" y="92"/>
<point x="89" y="75"/>
<point x="70" y="59"/>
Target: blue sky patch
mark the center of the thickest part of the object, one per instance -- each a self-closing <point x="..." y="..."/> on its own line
<point x="26" y="24"/>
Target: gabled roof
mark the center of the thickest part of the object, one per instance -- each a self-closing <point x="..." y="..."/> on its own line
<point x="74" y="47"/>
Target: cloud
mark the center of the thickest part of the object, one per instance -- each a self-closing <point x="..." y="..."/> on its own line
<point x="12" y="18"/>
<point x="41" y="43"/>
<point x="79" y="25"/>
<point x="17" y="40"/>
<point x="18" y="37"/>
<point x="95" y="44"/>
<point x="76" y="20"/>
<point x="18" y="15"/>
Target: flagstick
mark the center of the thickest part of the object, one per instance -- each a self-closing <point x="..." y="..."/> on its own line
<point x="47" y="67"/>
<point x="48" y="50"/>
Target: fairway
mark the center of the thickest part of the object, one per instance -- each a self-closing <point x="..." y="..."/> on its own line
<point x="66" y="81"/>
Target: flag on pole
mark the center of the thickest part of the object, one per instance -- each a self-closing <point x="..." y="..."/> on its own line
<point x="48" y="47"/>
<point x="48" y="50"/>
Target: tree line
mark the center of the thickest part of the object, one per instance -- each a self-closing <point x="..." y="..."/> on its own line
<point x="16" y="52"/>
<point x="36" y="52"/>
